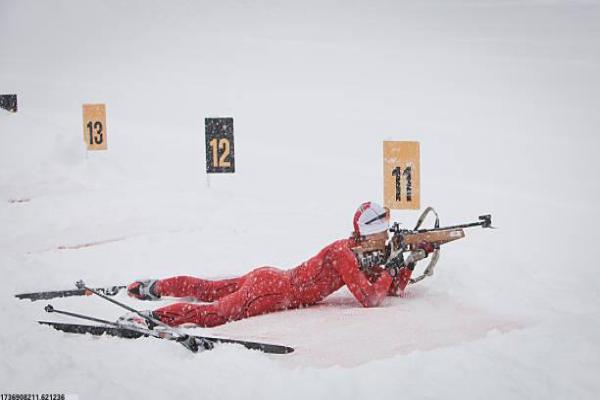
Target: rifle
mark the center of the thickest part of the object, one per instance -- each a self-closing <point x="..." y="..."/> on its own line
<point x="407" y="240"/>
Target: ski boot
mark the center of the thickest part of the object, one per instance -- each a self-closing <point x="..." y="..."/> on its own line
<point x="143" y="290"/>
<point x="135" y="321"/>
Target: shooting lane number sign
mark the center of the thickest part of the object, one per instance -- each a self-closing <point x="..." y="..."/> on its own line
<point x="401" y="175"/>
<point x="94" y="126"/>
<point x="220" y="157"/>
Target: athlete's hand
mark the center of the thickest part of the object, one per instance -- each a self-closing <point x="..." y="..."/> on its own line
<point x="427" y="247"/>
<point x="413" y="257"/>
<point x="394" y="264"/>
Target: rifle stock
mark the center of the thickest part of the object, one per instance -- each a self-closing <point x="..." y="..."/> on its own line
<point x="434" y="237"/>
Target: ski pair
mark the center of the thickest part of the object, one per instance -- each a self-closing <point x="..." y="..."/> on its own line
<point x="164" y="331"/>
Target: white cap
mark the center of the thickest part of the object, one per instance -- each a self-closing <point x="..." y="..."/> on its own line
<point x="371" y="218"/>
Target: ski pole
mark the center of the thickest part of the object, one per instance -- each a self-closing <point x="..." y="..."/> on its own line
<point x="189" y="342"/>
<point x="81" y="285"/>
<point x="146" y="332"/>
<point x="50" y="309"/>
<point x="186" y="340"/>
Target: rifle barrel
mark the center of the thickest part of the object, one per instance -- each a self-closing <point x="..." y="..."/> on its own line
<point x="485" y="221"/>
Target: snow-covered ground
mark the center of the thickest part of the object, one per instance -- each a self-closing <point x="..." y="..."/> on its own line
<point x="502" y="95"/>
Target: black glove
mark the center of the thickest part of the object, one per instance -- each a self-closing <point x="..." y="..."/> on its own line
<point x="394" y="264"/>
<point x="413" y="257"/>
<point x="426" y="247"/>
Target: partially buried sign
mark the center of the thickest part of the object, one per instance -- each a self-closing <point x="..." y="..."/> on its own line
<point x="8" y="102"/>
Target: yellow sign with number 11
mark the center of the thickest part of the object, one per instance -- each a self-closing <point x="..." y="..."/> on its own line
<point x="94" y="126"/>
<point x="401" y="175"/>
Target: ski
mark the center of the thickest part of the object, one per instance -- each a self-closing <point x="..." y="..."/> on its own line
<point x="206" y="342"/>
<point x="192" y="344"/>
<point x="156" y="328"/>
<point x="108" y="291"/>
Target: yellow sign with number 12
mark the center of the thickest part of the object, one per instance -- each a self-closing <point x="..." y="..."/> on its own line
<point x="94" y="126"/>
<point x="401" y="175"/>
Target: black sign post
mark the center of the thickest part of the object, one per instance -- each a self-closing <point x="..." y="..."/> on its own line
<point x="8" y="102"/>
<point x="220" y="155"/>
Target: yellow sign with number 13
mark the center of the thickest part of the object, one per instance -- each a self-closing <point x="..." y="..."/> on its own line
<point x="94" y="126"/>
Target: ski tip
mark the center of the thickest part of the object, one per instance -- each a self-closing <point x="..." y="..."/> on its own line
<point x="48" y="323"/>
<point x="96" y="330"/>
<point x="264" y="347"/>
<point x="27" y="296"/>
<point x="288" y="350"/>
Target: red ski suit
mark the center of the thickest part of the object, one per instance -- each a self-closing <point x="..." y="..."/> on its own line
<point x="268" y="289"/>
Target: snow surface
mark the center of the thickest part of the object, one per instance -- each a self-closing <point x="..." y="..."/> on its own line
<point x="502" y="95"/>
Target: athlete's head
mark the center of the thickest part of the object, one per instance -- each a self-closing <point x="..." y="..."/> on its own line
<point x="371" y="220"/>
